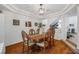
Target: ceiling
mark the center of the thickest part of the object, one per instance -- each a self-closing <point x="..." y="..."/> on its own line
<point x="72" y="12"/>
<point x="33" y="9"/>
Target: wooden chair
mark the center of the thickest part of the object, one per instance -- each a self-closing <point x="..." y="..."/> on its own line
<point x="43" y="44"/>
<point x="27" y="42"/>
<point x="31" y="32"/>
<point x="37" y="31"/>
<point x="51" y="33"/>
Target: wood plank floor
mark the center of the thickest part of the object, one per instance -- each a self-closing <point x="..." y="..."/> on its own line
<point x="60" y="48"/>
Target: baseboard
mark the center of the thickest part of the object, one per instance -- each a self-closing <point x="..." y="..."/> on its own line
<point x="8" y="44"/>
<point x="70" y="45"/>
<point x="14" y="44"/>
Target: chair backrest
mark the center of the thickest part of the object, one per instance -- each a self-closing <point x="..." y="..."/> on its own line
<point x="37" y="31"/>
<point x="51" y="32"/>
<point x="24" y="36"/>
<point x="31" y="31"/>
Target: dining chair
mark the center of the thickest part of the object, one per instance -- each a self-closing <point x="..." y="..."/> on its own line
<point x="45" y="42"/>
<point x="53" y="34"/>
<point x="27" y="42"/>
<point x="37" y="31"/>
<point x="31" y="32"/>
<point x="50" y="39"/>
<point x="42" y="44"/>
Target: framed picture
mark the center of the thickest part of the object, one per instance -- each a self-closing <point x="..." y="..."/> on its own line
<point x="40" y="24"/>
<point x="71" y="25"/>
<point x="25" y="24"/>
<point x="36" y="24"/>
<point x="16" y="22"/>
<point x="28" y="24"/>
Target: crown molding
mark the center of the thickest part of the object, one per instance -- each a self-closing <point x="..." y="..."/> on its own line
<point x="29" y="14"/>
<point x="62" y="12"/>
<point x="18" y="11"/>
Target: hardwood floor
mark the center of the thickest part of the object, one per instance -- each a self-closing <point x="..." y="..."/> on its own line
<point x="60" y="48"/>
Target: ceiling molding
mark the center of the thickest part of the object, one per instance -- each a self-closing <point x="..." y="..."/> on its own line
<point x="23" y="11"/>
<point x="26" y="13"/>
<point x="62" y="12"/>
<point x="18" y="11"/>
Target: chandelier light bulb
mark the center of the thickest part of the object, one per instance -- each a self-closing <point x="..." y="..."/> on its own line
<point x="41" y="11"/>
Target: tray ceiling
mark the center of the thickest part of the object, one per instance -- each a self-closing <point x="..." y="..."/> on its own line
<point x="33" y="9"/>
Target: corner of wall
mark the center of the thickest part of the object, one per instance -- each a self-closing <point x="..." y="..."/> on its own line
<point x="71" y="46"/>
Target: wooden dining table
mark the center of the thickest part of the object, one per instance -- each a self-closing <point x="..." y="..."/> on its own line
<point x="42" y="36"/>
<point x="38" y="36"/>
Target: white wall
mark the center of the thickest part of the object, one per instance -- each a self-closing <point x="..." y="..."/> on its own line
<point x="48" y="22"/>
<point x="73" y="20"/>
<point x="2" y="33"/>
<point x="59" y="33"/>
<point x="78" y="27"/>
<point x="13" y="33"/>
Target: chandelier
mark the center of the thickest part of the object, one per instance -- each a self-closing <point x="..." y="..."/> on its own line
<point x="41" y="10"/>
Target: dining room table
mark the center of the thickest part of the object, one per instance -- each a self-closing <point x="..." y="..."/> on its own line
<point x="43" y="36"/>
<point x="38" y="37"/>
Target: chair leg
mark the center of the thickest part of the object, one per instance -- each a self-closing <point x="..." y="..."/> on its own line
<point x="43" y="50"/>
<point x="23" y="48"/>
<point x="29" y="50"/>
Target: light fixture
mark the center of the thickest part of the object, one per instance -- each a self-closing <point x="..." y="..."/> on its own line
<point x="41" y="9"/>
<point x="60" y="21"/>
